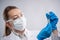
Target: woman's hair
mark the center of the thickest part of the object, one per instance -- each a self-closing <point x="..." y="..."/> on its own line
<point x="6" y="17"/>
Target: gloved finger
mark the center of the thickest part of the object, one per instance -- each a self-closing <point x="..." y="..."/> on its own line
<point x="53" y="20"/>
<point x="47" y="16"/>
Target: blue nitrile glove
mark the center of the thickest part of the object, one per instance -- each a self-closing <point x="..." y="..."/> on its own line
<point x="53" y="20"/>
<point x="45" y="32"/>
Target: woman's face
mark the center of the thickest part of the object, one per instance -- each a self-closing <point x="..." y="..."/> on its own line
<point x="14" y="14"/>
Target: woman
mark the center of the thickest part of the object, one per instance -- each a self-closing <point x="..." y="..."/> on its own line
<point x="15" y="24"/>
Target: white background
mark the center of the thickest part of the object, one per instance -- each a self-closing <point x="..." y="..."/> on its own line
<point x="34" y="10"/>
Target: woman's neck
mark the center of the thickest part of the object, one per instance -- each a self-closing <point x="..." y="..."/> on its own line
<point x="20" y="32"/>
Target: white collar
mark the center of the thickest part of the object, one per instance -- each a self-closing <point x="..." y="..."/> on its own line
<point x="26" y="33"/>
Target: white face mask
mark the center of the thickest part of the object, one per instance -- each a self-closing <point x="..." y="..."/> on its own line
<point x="19" y="23"/>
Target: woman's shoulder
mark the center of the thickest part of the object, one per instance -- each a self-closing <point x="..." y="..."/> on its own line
<point x="12" y="36"/>
<point x="4" y="37"/>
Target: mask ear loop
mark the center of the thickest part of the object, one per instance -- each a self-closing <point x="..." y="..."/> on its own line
<point x="24" y="19"/>
<point x="9" y="20"/>
<point x="13" y="24"/>
<point x="22" y="14"/>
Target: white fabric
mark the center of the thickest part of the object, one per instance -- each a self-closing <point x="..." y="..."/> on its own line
<point x="31" y="36"/>
<point x="12" y="36"/>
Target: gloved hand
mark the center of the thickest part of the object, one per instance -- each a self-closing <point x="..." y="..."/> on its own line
<point x="45" y="33"/>
<point x="53" y="20"/>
